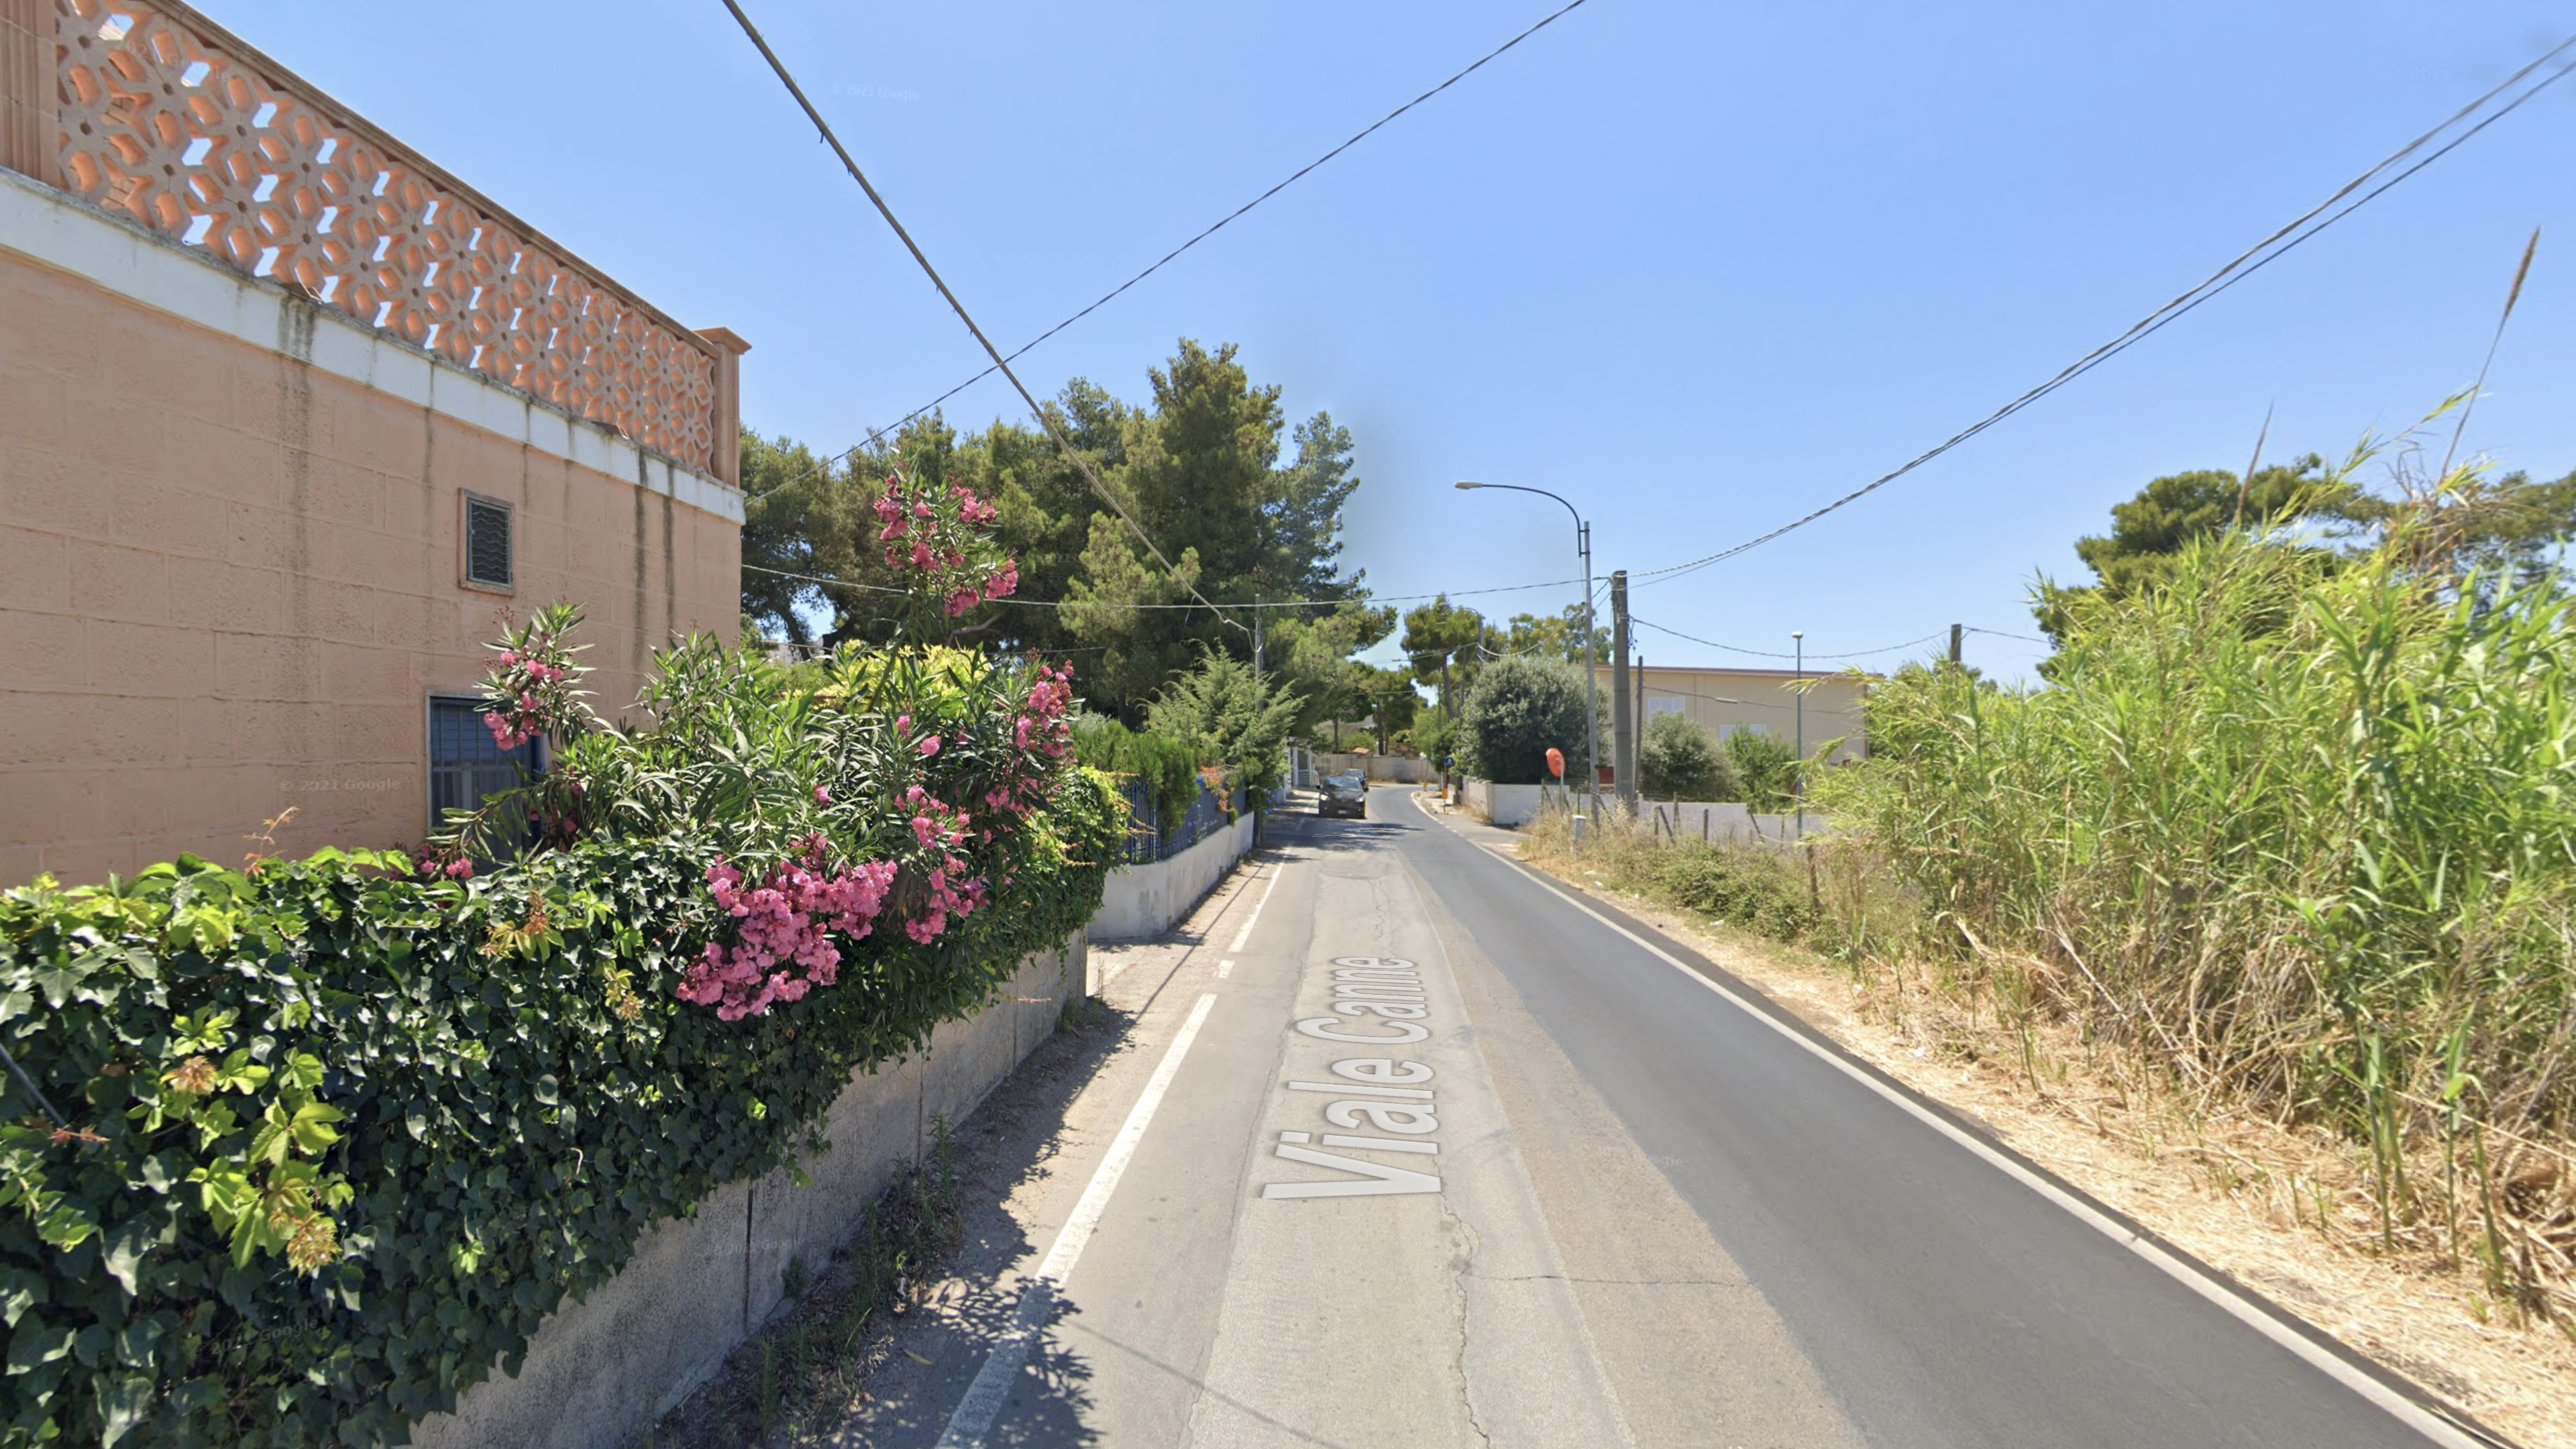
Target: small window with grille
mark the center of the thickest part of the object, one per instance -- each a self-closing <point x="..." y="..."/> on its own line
<point x="487" y="543"/>
<point x="466" y="765"/>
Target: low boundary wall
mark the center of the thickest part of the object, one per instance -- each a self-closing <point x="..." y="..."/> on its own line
<point x="1689" y="819"/>
<point x="1502" y="804"/>
<point x="1380" y="769"/>
<point x="1143" y="901"/>
<point x="603" y="1368"/>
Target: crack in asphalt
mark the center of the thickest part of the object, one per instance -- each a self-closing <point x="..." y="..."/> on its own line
<point x="1461" y="1263"/>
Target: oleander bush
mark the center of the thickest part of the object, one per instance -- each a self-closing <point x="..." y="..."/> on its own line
<point x="292" y="1154"/>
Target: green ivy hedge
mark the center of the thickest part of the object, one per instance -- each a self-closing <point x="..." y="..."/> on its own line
<point x="336" y="1134"/>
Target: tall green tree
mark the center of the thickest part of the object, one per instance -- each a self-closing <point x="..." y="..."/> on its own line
<point x="1440" y="643"/>
<point x="1386" y="695"/>
<point x="1558" y="635"/>
<point x="2149" y="530"/>
<point x="2507" y="531"/>
<point x="1247" y="508"/>
<point x="1230" y="717"/>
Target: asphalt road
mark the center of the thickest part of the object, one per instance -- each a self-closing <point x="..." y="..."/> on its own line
<point x="1415" y="1149"/>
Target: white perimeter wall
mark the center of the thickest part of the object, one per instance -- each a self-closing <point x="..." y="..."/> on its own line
<point x="1144" y="901"/>
<point x="1502" y="804"/>
<point x="1694" y="820"/>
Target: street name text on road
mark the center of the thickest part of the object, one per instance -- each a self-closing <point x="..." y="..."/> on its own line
<point x="1377" y="1001"/>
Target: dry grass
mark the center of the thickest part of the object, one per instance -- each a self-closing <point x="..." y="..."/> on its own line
<point x="2291" y="1212"/>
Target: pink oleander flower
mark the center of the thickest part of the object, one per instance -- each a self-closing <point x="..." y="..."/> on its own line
<point x="822" y="794"/>
<point x="929" y="746"/>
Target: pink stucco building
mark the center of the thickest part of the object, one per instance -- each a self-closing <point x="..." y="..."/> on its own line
<point x="288" y="418"/>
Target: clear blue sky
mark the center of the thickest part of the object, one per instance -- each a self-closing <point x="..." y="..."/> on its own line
<point x="1699" y="267"/>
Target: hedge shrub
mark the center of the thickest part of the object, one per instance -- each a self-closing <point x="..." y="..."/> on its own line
<point x="337" y="1133"/>
<point x="1169" y="767"/>
<point x="1519" y="707"/>
<point x="1678" y="759"/>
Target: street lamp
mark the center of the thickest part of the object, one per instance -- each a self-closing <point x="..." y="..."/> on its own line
<point x="1799" y="636"/>
<point x="1591" y="686"/>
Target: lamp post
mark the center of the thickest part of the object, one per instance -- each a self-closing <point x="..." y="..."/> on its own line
<point x="1591" y="685"/>
<point x="1799" y="638"/>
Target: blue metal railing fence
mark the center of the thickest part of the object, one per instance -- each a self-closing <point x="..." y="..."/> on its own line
<point x="1148" y="842"/>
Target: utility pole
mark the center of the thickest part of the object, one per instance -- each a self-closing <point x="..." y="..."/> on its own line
<point x="1623" y="730"/>
<point x="1955" y="632"/>
<point x="1799" y="779"/>
<point x="1640" y="717"/>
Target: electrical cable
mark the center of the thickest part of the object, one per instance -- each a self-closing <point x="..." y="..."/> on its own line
<point x="2000" y="634"/>
<point x="2219" y="281"/>
<point x="1777" y="654"/>
<point x="876" y="435"/>
<point x="1045" y="419"/>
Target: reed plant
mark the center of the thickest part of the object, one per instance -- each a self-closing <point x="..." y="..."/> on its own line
<point x="2300" y="825"/>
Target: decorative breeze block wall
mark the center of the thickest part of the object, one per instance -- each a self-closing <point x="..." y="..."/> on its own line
<point x="169" y="120"/>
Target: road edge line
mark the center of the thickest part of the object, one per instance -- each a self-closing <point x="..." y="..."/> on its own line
<point x="982" y="1404"/>
<point x="2233" y="1300"/>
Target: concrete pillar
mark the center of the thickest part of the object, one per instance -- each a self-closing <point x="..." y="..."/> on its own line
<point x="725" y="448"/>
<point x="30" y="129"/>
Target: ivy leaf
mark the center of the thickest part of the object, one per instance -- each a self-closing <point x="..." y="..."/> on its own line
<point x="270" y="1143"/>
<point x="157" y="1174"/>
<point x="67" y="1226"/>
<point x="36" y="1345"/>
<point x="549" y="1091"/>
<point x="124" y="1402"/>
<point x="20" y="1290"/>
<point x="308" y="1129"/>
<point x="124" y="1249"/>
<point x="59" y="979"/>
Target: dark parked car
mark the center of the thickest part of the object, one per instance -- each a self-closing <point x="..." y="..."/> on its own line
<point x="1344" y="795"/>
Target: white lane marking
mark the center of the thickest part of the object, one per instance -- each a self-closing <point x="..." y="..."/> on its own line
<point x="1224" y="969"/>
<point x="2405" y="1410"/>
<point x="1246" y="933"/>
<point x="984" y="1397"/>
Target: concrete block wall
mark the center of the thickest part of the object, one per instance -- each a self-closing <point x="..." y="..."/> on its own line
<point x="1723" y="820"/>
<point x="601" y="1369"/>
<point x="1144" y="901"/>
<point x="1502" y="804"/>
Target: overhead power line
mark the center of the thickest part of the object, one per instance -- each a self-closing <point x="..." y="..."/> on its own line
<point x="1777" y="654"/>
<point x="2268" y="250"/>
<point x="878" y="434"/>
<point x="2000" y="634"/>
<point x="1044" y="419"/>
